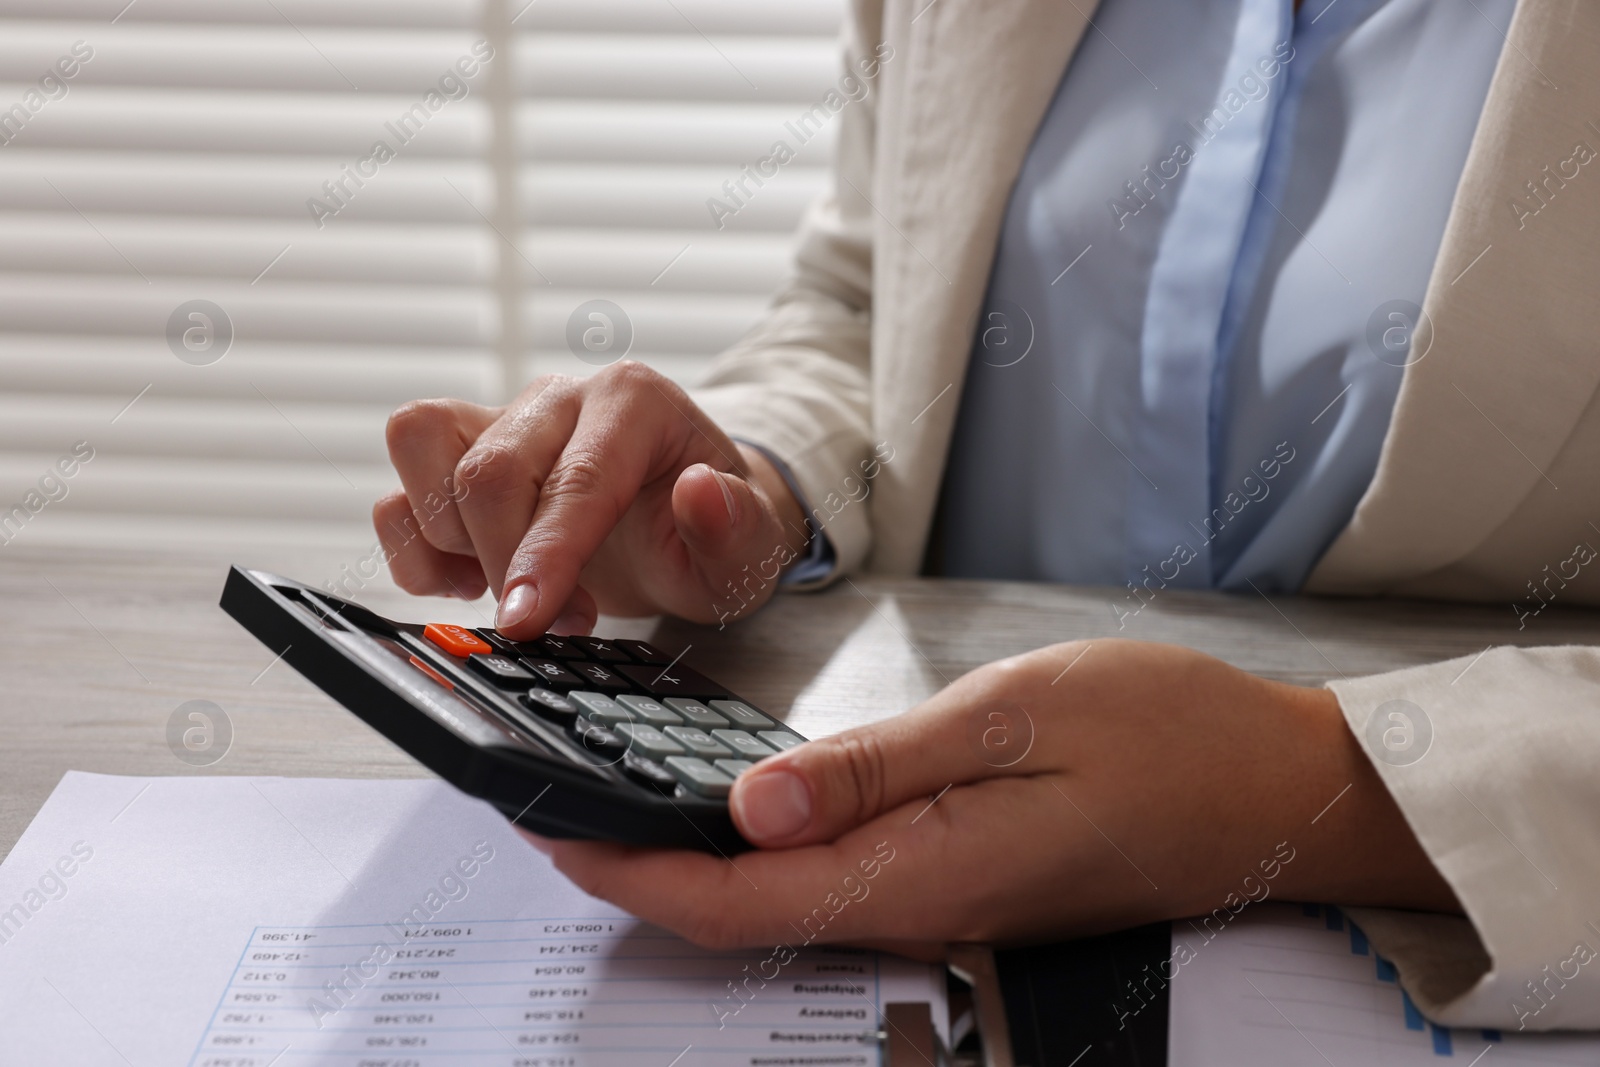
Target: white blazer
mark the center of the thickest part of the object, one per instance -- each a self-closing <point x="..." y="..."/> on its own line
<point x="1487" y="486"/>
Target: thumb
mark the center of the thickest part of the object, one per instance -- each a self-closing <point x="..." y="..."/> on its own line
<point x="730" y="529"/>
<point x="718" y="514"/>
<point x="822" y="789"/>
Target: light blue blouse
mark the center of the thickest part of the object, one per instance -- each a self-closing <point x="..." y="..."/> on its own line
<point x="1206" y="286"/>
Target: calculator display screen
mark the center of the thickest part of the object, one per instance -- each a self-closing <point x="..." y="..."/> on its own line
<point x="419" y="673"/>
<point x="414" y="663"/>
<point x="429" y="689"/>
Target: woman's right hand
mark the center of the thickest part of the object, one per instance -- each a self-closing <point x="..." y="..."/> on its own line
<point x="611" y="493"/>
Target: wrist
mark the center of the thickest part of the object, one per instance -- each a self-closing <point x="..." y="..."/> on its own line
<point x="1359" y="848"/>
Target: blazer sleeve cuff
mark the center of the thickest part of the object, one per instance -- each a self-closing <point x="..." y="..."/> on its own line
<point x="1492" y="762"/>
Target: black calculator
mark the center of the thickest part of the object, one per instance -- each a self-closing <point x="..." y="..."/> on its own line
<point x="567" y="736"/>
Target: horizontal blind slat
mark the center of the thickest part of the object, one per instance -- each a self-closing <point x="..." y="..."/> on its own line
<point x="417" y="14"/>
<point x="116" y="371"/>
<point x="153" y="486"/>
<point x="687" y="67"/>
<point x="665" y="261"/>
<point x="256" y="428"/>
<point x="668" y="323"/>
<point x="409" y="189"/>
<point x="792" y="17"/>
<point x="660" y="197"/>
<point x="144" y="121"/>
<point x="726" y="17"/>
<point x="245" y="250"/>
<point x="212" y="57"/>
<point x="608" y="131"/>
<point x="130" y="306"/>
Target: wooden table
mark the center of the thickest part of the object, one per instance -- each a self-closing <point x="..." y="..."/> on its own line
<point x="97" y="649"/>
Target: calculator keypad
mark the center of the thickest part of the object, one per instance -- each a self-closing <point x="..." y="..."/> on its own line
<point x="665" y="725"/>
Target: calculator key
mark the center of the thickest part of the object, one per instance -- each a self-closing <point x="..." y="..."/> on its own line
<point x="744" y="745"/>
<point x="649" y="742"/>
<point x="603" y="650"/>
<point x="651" y="774"/>
<point x="649" y="711"/>
<point x="742" y="715"/>
<point x="553" y="674"/>
<point x="456" y="640"/>
<point x="556" y="646"/>
<point x="503" y="671"/>
<point x="782" y="740"/>
<point x="536" y="649"/>
<point x="599" y="708"/>
<point x="675" y="681"/>
<point x="732" y="767"/>
<point x="696" y="714"/>
<point x="698" y="742"/>
<point x="595" y="676"/>
<point x="504" y="644"/>
<point x="644" y="652"/>
<point x="698" y="776"/>
<point x="600" y="740"/>
<point x="550" y="705"/>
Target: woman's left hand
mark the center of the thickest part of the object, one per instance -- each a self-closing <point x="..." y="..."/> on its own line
<point x="1080" y="788"/>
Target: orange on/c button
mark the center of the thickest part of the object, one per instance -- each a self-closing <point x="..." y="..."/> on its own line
<point x="456" y="640"/>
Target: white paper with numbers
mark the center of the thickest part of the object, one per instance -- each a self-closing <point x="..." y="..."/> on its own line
<point x="242" y="922"/>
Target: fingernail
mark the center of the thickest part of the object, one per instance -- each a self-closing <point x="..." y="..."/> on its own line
<point x="773" y="806"/>
<point x="727" y="496"/>
<point x="515" y="607"/>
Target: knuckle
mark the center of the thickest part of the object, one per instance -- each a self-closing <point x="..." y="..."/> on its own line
<point x="450" y="539"/>
<point x="548" y="387"/>
<point x="580" y="473"/>
<point x="863" y="765"/>
<point x="419" y="419"/>
<point x="631" y="375"/>
<point x="491" y="472"/>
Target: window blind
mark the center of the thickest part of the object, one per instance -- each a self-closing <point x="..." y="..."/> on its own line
<point x="168" y="159"/>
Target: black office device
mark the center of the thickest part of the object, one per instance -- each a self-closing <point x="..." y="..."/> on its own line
<point x="567" y="736"/>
